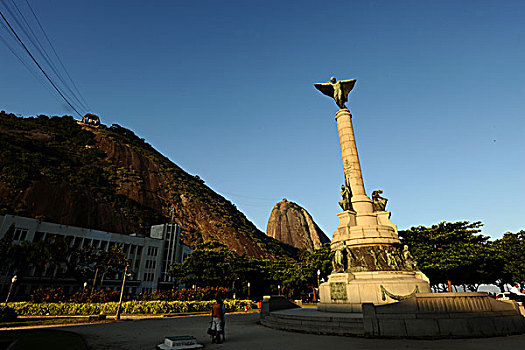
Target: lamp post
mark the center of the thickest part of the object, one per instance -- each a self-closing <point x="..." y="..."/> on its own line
<point x="318" y="284"/>
<point x="233" y="286"/>
<point x="13" y="280"/>
<point x="84" y="290"/>
<point x="117" y="316"/>
<point x="249" y="290"/>
<point x="279" y="289"/>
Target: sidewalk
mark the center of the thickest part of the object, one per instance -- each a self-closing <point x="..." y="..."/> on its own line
<point x="243" y="332"/>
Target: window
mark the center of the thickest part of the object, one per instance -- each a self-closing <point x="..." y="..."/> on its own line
<point x="151" y="264"/>
<point x="38" y="236"/>
<point x="152" y="251"/>
<point x="69" y="240"/>
<point x="148" y="277"/>
<point x="20" y="234"/>
<point x="77" y="242"/>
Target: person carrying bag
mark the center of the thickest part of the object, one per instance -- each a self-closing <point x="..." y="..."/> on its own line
<point x="217" y="321"/>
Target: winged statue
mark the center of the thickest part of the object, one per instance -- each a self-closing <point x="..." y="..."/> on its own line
<point x="337" y="89"/>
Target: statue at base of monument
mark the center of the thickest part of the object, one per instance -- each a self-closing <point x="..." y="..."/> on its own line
<point x="410" y="263"/>
<point x="338" y="261"/>
<point x="337" y="89"/>
<point x="346" y="202"/>
<point x="378" y="202"/>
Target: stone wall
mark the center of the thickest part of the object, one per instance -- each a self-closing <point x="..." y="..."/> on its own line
<point x="439" y="315"/>
<point x="274" y="303"/>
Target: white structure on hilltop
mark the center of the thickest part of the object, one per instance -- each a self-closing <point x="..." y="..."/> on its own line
<point x="149" y="257"/>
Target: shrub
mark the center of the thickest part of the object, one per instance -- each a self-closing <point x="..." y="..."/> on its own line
<point x="48" y="295"/>
<point x="130" y="307"/>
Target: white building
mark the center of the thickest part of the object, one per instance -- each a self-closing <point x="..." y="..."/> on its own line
<point x="149" y="257"/>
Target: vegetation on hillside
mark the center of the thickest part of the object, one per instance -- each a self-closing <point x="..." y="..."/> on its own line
<point x="59" y="151"/>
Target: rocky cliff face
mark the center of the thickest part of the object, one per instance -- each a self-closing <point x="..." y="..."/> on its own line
<point x="109" y="179"/>
<point x="292" y="224"/>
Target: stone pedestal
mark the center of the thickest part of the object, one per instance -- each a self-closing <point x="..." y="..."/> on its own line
<point x="346" y="292"/>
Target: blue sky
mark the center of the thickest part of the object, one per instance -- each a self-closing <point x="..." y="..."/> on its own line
<point x="225" y="90"/>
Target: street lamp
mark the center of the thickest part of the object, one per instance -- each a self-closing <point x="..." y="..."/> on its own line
<point x="122" y="291"/>
<point x="318" y="284"/>
<point x="13" y="280"/>
<point x="248" y="290"/>
<point x="233" y="286"/>
<point x="279" y="289"/>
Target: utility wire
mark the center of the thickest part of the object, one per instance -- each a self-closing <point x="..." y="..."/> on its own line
<point x="40" y="48"/>
<point x="57" y="56"/>
<point x="24" y="62"/>
<point x="38" y="65"/>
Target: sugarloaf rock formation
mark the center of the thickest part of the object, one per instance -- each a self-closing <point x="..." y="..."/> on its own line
<point x="292" y="224"/>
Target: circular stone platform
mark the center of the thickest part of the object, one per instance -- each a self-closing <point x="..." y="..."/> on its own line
<point x="426" y="315"/>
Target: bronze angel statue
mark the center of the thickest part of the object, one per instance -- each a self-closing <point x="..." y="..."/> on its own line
<point x="337" y="89"/>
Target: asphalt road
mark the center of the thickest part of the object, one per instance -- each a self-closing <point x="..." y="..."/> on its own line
<point x="243" y="333"/>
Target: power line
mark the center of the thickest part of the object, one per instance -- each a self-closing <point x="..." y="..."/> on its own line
<point x="38" y="65"/>
<point x="25" y="64"/>
<point x="58" y="57"/>
<point x="83" y="100"/>
<point x="33" y="38"/>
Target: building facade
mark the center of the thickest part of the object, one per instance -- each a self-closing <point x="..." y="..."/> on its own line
<point x="149" y="257"/>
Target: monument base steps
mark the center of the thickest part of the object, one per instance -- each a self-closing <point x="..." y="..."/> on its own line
<point x="315" y="325"/>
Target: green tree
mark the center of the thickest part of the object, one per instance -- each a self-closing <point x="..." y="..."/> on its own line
<point x="511" y="251"/>
<point x="453" y="251"/>
<point x="297" y="277"/>
<point x="211" y="264"/>
<point x="110" y="262"/>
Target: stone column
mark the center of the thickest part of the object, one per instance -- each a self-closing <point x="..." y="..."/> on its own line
<point x="360" y="201"/>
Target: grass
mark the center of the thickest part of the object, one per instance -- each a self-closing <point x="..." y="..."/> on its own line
<point x="41" y="339"/>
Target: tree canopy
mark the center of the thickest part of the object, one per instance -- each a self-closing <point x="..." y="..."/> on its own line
<point x="212" y="264"/>
<point x="457" y="252"/>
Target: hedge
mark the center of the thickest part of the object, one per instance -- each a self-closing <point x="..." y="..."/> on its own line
<point x="128" y="307"/>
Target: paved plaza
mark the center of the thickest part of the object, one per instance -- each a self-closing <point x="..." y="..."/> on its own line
<point x="243" y="332"/>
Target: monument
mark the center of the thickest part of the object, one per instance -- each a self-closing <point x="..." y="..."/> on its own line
<point x="375" y="288"/>
<point x="370" y="265"/>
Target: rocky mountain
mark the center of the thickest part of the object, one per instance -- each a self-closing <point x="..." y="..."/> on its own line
<point x="107" y="178"/>
<point x="292" y="224"/>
